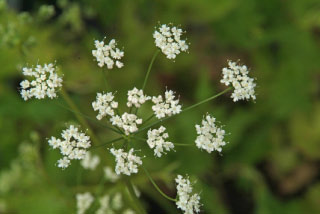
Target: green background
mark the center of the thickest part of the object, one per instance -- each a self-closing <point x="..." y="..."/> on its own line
<point x="271" y="164"/>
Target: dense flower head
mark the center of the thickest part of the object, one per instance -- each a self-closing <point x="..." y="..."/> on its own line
<point x="136" y="98"/>
<point x="167" y="107"/>
<point x="237" y="76"/>
<point x="84" y="202"/>
<point x="104" y="205"/>
<point x="126" y="162"/>
<point x="187" y="202"/>
<point x="108" y="54"/>
<point x="110" y="175"/>
<point x="44" y="84"/>
<point x="210" y="137"/>
<point x="90" y="161"/>
<point x="168" y="39"/>
<point x="73" y="145"/>
<point x="128" y="122"/>
<point x="157" y="141"/>
<point x="104" y="104"/>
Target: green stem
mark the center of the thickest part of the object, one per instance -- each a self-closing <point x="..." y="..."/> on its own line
<point x="149" y="69"/>
<point x="89" y="118"/>
<point x="134" y="197"/>
<point x="182" y="144"/>
<point x="109" y="142"/>
<point x="82" y="121"/>
<point x="149" y="118"/>
<point x="156" y="186"/>
<point x="186" y="109"/>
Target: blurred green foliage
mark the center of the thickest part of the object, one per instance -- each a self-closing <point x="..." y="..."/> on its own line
<point x="271" y="164"/>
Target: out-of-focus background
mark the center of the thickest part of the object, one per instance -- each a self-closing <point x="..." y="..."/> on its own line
<point x="271" y="164"/>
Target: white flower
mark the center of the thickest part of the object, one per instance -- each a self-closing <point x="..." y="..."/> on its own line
<point x="104" y="104"/>
<point x="157" y="140"/>
<point x="188" y="203"/>
<point x="210" y="137"/>
<point x="127" y="122"/>
<point x="117" y="201"/>
<point x="168" y="40"/>
<point x="136" y="98"/>
<point x="44" y="84"/>
<point x="167" y="107"/>
<point x="90" y="161"/>
<point x="72" y="146"/>
<point x="129" y="211"/>
<point x="237" y="76"/>
<point x="84" y="201"/>
<point x="108" y="54"/>
<point x="110" y="175"/>
<point x="104" y="205"/>
<point x="126" y="162"/>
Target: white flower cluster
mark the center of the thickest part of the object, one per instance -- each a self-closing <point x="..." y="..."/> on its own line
<point x="104" y="104"/>
<point x="188" y="203"/>
<point x="90" y="161"/>
<point x="46" y="82"/>
<point x="136" y="98"/>
<point x="167" y="107"/>
<point x="127" y="122"/>
<point x="157" y="140"/>
<point x="112" y="205"/>
<point x="84" y="201"/>
<point x="110" y="175"/>
<point x="210" y="137"/>
<point x="169" y="41"/>
<point x="237" y="76"/>
<point x="72" y="146"/>
<point x="126" y="162"/>
<point x="104" y="205"/>
<point x="108" y="54"/>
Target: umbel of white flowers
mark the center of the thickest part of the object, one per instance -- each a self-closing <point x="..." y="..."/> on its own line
<point x="84" y="201"/>
<point x="188" y="203"/>
<point x="126" y="162"/>
<point x="44" y="84"/>
<point x="74" y="145"/>
<point x="108" y="55"/>
<point x="157" y="141"/>
<point x="237" y="76"/>
<point x="168" y="39"/>
<point x="210" y="137"/>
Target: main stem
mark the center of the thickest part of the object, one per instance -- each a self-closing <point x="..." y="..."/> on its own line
<point x="134" y="197"/>
<point x="149" y="69"/>
<point x="82" y="121"/>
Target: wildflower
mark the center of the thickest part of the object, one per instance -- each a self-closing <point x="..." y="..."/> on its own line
<point x="90" y="161"/>
<point x="108" y="54"/>
<point x="45" y="83"/>
<point x="126" y="162"/>
<point x="127" y="122"/>
<point x="157" y="140"/>
<point x="210" y="137"/>
<point x="167" y="107"/>
<point x="237" y="76"/>
<point x="136" y="98"/>
<point x="110" y="175"/>
<point x="188" y="203"/>
<point x="84" y="201"/>
<point x="104" y="104"/>
<point x="117" y="201"/>
<point x="72" y="146"/>
<point x="168" y="39"/>
<point x="129" y="211"/>
<point x="104" y="205"/>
